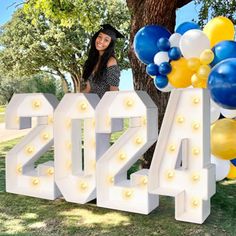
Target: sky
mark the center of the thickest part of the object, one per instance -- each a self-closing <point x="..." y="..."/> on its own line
<point x="186" y="13"/>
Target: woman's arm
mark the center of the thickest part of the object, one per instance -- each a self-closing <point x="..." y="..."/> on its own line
<point x="87" y="89"/>
<point x="114" y="88"/>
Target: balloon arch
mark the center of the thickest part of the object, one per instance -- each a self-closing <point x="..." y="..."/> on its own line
<point x="197" y="58"/>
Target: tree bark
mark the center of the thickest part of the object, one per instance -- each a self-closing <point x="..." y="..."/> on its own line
<point x="146" y="12"/>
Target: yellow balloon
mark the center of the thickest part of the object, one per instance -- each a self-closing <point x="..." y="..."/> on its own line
<point x="232" y="172"/>
<point x="203" y="71"/>
<point x="218" y="29"/>
<point x="198" y="82"/>
<point x="180" y="75"/>
<point x="223" y="139"/>
<point x="193" y="63"/>
<point x="206" y="57"/>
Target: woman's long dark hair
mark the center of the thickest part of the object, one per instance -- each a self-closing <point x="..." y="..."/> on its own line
<point x="93" y="59"/>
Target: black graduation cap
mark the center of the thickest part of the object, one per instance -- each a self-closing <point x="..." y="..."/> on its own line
<point x="111" y="31"/>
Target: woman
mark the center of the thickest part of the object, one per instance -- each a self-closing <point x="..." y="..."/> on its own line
<point x="101" y="72"/>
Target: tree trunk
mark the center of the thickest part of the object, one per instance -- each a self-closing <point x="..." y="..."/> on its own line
<point x="145" y="12"/>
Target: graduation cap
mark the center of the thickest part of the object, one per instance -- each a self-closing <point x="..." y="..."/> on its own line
<point x="111" y="31"/>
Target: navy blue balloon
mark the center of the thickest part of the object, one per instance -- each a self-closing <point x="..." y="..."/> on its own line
<point x="233" y="162"/>
<point x="222" y="83"/>
<point x="145" y="42"/>
<point x="184" y="27"/>
<point x="164" y="68"/>
<point x="152" y="69"/>
<point x="174" y="53"/>
<point x="224" y="50"/>
<point x="163" y="44"/>
<point x="160" y="81"/>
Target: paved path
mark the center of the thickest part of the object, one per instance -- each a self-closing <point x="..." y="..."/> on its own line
<point x="6" y="135"/>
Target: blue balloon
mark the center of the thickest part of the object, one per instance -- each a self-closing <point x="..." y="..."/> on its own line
<point x="152" y="69"/>
<point x="224" y="50"/>
<point x="160" y="81"/>
<point x="163" y="44"/>
<point x="164" y="68"/>
<point x="184" y="27"/>
<point x="145" y="42"/>
<point x="174" y="53"/>
<point x="222" y="83"/>
<point x="233" y="162"/>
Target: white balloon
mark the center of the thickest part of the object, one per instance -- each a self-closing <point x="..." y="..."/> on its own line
<point x="193" y="43"/>
<point x="222" y="167"/>
<point x="161" y="57"/>
<point x="174" y="40"/>
<point x="228" y="113"/>
<point x="166" y="89"/>
<point x="215" y="111"/>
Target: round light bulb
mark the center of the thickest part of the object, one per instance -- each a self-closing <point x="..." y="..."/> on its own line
<point x="50" y="171"/>
<point x="111" y="179"/>
<point x="50" y="120"/>
<point x="180" y="119"/>
<point x="45" y="136"/>
<point x="19" y="169"/>
<point x="170" y="175"/>
<point x="122" y="156"/>
<point x="196" y="100"/>
<point x="195" y="203"/>
<point x="195" y="177"/>
<point x="83" y="186"/>
<point x="35" y="181"/>
<point x="29" y="150"/>
<point x="36" y="104"/>
<point x="172" y="148"/>
<point x="128" y="194"/>
<point x="196" y="125"/>
<point x="196" y="151"/>
<point x="138" y="140"/>
<point x="83" y="106"/>
<point x="144" y="180"/>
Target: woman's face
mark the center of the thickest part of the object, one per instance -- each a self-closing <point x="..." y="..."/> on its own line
<point x="102" y="42"/>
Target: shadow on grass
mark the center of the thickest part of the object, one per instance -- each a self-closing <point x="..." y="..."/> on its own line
<point x="23" y="215"/>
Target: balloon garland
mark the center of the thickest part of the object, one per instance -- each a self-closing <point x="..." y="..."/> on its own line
<point x="197" y="58"/>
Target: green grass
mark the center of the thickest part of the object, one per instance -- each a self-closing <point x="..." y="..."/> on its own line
<point x="2" y="108"/>
<point x="22" y="215"/>
<point x="2" y="118"/>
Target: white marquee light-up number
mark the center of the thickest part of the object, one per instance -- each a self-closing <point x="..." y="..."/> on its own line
<point x="76" y="177"/>
<point x="114" y="190"/>
<point x="21" y="175"/>
<point x="181" y="162"/>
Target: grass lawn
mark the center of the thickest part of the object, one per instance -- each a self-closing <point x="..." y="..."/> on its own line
<point x="2" y="108"/>
<point x="2" y="111"/>
<point x="22" y="215"/>
<point x="1" y="118"/>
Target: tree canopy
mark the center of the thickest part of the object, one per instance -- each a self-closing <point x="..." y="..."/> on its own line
<point x="213" y="8"/>
<point x="35" y="40"/>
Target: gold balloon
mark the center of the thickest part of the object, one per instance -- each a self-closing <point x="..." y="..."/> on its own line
<point x="198" y="81"/>
<point x="232" y="172"/>
<point x="193" y="63"/>
<point x="203" y="71"/>
<point x="223" y="139"/>
<point x="180" y="75"/>
<point x="206" y="57"/>
<point x="218" y="29"/>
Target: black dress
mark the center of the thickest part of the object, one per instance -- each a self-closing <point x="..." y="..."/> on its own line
<point x="111" y="77"/>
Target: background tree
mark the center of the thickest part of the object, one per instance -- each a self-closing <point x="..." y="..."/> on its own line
<point x="41" y="83"/>
<point x="32" y="42"/>
<point x="213" y="8"/>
